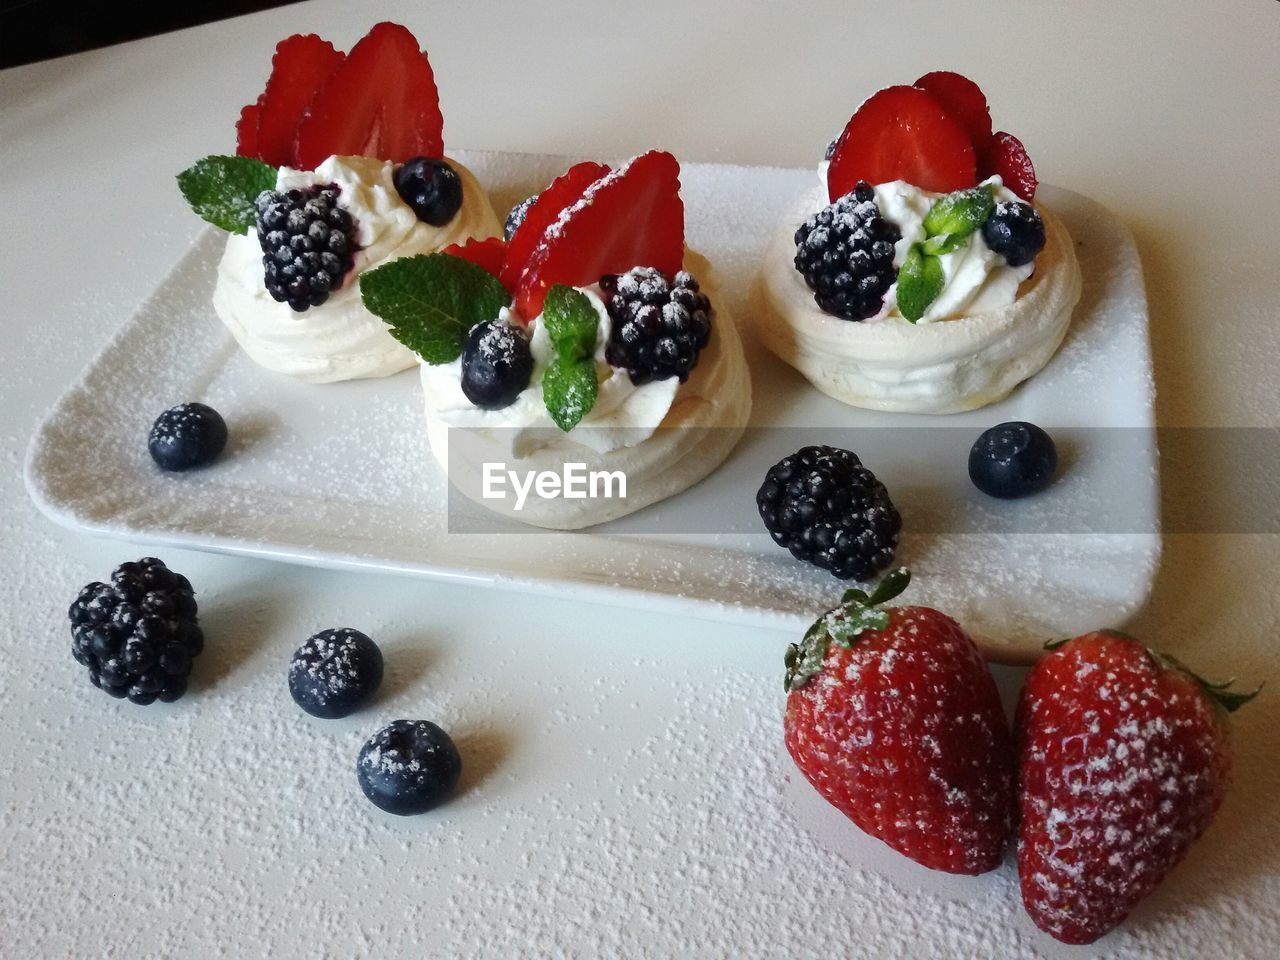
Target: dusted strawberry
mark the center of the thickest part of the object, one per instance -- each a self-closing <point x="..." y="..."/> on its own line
<point x="1124" y="763"/>
<point x="563" y="191"/>
<point x="247" y="130"/>
<point x="301" y="65"/>
<point x="632" y="216"/>
<point x="488" y="254"/>
<point x="964" y="101"/>
<point x="894" y="717"/>
<point x="1007" y="157"/>
<point x="902" y="133"/>
<point x="380" y="102"/>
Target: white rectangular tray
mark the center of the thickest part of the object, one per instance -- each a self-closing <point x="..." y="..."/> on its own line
<point x="339" y="475"/>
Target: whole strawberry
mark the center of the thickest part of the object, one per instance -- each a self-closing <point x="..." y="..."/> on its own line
<point x="894" y="717"/>
<point x="1123" y="765"/>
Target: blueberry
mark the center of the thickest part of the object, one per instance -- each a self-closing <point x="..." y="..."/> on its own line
<point x="1015" y="231"/>
<point x="408" y="767"/>
<point x="516" y="217"/>
<point x="496" y="364"/>
<point x="335" y="673"/>
<point x="188" y="435"/>
<point x="1012" y="460"/>
<point x="431" y="187"/>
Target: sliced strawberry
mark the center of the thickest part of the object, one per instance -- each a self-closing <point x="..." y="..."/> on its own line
<point x="563" y="191"/>
<point x="632" y="216"/>
<point x="301" y="65"/>
<point x="487" y="254"/>
<point x="964" y="101"/>
<point x="247" y="130"/>
<point x="1007" y="157"/>
<point x="380" y="102"/>
<point x="901" y="133"/>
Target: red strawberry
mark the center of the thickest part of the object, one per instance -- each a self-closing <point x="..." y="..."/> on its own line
<point x="962" y="99"/>
<point x="901" y="133"/>
<point x="632" y="216"/>
<point x="563" y="191"/>
<point x="488" y="254"/>
<point x="247" y="130"/>
<point x="1008" y="157"/>
<point x="1123" y="765"/>
<point x="380" y="102"/>
<point x="301" y="65"/>
<point x="894" y="717"/>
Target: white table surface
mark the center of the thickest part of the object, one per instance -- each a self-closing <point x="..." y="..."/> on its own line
<point x="626" y="790"/>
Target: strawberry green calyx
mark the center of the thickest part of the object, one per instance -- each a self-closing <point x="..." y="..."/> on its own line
<point x="855" y="615"/>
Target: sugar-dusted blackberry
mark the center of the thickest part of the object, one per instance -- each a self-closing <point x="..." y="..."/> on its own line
<point x="185" y="436"/>
<point x="824" y="506"/>
<point x="1015" y="231"/>
<point x="308" y="244"/>
<point x="335" y="672"/>
<point x="138" y="634"/>
<point x="408" y="767"/>
<point x="659" y="327"/>
<point x="845" y="254"/>
<point x="516" y="217"/>
<point x="431" y="187"/>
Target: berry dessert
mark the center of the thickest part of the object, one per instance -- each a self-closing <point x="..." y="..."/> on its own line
<point x="188" y="435"/>
<point x="138" y="634"/>
<point x="895" y="719"/>
<point x="408" y="767"/>
<point x="824" y="506"/>
<point x="1123" y="765"/>
<point x="335" y="673"/>
<point x="339" y="168"/>
<point x="922" y="276"/>
<point x="1013" y="460"/>
<point x="588" y="335"/>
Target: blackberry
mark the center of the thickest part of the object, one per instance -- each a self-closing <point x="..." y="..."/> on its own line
<point x="1015" y="231"/>
<point x="824" y="506"/>
<point x="1012" y="460"/>
<point x="409" y="766"/>
<point x="845" y="254"/>
<point x="188" y="435"/>
<point x="431" y="187"/>
<point x="308" y="244"/>
<point x="139" y="633"/>
<point x="516" y="217"/>
<point x="658" y="327"/>
<point x="496" y="364"/>
<point x="335" y="673"/>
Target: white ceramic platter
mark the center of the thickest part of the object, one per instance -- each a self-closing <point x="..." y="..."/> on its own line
<point x="339" y="475"/>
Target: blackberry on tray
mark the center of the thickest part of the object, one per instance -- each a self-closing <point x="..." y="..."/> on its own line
<point x="308" y="244"/>
<point x="138" y="634"/>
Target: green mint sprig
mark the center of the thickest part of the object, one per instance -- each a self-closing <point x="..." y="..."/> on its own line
<point x="431" y="301"/>
<point x="223" y="190"/>
<point x="951" y="221"/>
<point x="856" y="614"/>
<point x="570" y="386"/>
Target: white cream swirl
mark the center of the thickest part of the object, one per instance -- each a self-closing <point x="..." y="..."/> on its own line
<point x="340" y="339"/>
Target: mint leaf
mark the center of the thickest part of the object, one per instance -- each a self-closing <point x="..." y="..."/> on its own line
<point x="920" y="280"/>
<point x="569" y="390"/>
<point x="572" y="322"/>
<point x="222" y="190"/>
<point x="431" y="301"/>
<point x="953" y="218"/>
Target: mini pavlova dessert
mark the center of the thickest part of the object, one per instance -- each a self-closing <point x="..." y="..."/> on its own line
<point x="919" y="277"/>
<point x="588" y="336"/>
<point x="340" y="167"/>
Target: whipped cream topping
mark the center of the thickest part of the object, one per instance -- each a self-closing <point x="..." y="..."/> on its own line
<point x="977" y="279"/>
<point x="625" y="414"/>
<point x="340" y="339"/>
